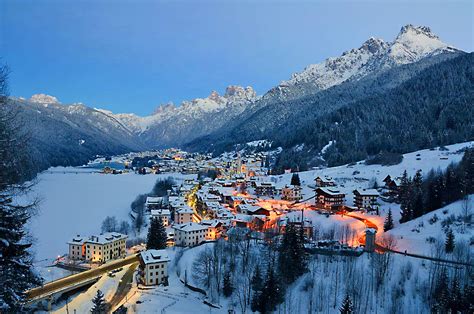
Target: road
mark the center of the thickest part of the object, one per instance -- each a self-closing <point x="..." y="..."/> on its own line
<point x="124" y="287"/>
<point x="380" y="248"/>
<point x="62" y="283"/>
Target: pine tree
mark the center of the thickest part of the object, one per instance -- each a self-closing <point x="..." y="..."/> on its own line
<point x="100" y="306"/>
<point x="257" y="286"/>
<point x="416" y="199"/>
<point x="227" y="285"/>
<point x="346" y="307"/>
<point x="292" y="257"/>
<point x="388" y="224"/>
<point x="404" y="198"/>
<point x="295" y="179"/>
<point x="157" y="237"/>
<point x="16" y="271"/>
<point x="449" y="244"/>
<point x="455" y="300"/>
<point x="441" y="292"/>
<point x="272" y="293"/>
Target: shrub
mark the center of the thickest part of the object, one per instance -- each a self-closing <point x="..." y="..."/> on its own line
<point x="385" y="159"/>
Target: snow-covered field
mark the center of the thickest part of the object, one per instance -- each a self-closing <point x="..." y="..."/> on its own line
<point x="413" y="235"/>
<point x="76" y="203"/>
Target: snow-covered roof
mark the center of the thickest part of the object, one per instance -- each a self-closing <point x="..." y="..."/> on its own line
<point x="99" y="239"/>
<point x="329" y="191"/>
<point x="160" y="212"/>
<point x="154" y="256"/>
<point x="185" y="210"/>
<point x="211" y="223"/>
<point x="153" y="199"/>
<point x="190" y="226"/>
<point x="367" y="192"/>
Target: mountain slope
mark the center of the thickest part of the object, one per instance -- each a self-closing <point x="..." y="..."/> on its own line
<point x="432" y="108"/>
<point x="373" y="68"/>
<point x="172" y="125"/>
<point x="70" y="134"/>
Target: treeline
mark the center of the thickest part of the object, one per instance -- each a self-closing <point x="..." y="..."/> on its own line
<point x="419" y="195"/>
<point x="450" y="296"/>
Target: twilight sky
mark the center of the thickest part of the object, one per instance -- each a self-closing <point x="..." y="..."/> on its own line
<point x="130" y="56"/>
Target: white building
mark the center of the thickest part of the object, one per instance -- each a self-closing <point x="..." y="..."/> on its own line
<point x="366" y="199"/>
<point x="153" y="202"/>
<point x="98" y="248"/>
<point x="189" y="234"/>
<point x="154" y="267"/>
<point x="164" y="214"/>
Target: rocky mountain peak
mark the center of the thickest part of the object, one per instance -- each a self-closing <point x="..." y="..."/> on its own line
<point x="239" y="93"/>
<point x="44" y="99"/>
<point x="374" y="45"/>
<point x="214" y="96"/>
<point x="417" y="30"/>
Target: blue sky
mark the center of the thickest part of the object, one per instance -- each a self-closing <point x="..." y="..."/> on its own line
<point x="130" y="56"/>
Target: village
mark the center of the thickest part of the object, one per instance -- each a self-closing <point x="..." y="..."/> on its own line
<point x="236" y="196"/>
<point x="344" y="211"/>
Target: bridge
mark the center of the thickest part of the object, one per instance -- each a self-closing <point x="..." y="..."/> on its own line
<point x="51" y="290"/>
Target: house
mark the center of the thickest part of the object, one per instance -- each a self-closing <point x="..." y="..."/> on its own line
<point x="248" y="209"/>
<point x="183" y="215"/>
<point x="324" y="182"/>
<point x="98" y="248"/>
<point x="291" y="193"/>
<point x="265" y="188"/>
<point x="214" y="228"/>
<point x="366" y="199"/>
<point x="296" y="223"/>
<point x="164" y="214"/>
<point x="189" y="234"/>
<point x="153" y="202"/>
<point x="329" y="198"/>
<point x="153" y="268"/>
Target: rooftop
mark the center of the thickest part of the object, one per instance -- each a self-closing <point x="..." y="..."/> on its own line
<point x="154" y="256"/>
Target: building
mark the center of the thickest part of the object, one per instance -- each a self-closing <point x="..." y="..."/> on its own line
<point x="153" y="202"/>
<point x="307" y="226"/>
<point x="291" y="193"/>
<point x="189" y="234"/>
<point x="100" y="249"/>
<point x="265" y="188"/>
<point x="329" y="198"/>
<point x="324" y="182"/>
<point x="164" y="214"/>
<point x="366" y="199"/>
<point x="370" y="234"/>
<point x="214" y="228"/>
<point x="183" y="215"/>
<point x="153" y="267"/>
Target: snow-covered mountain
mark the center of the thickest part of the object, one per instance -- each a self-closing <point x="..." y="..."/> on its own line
<point x="175" y="125"/>
<point x="373" y="56"/>
<point x="239" y="111"/>
<point x="235" y="97"/>
<point x="70" y="134"/>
